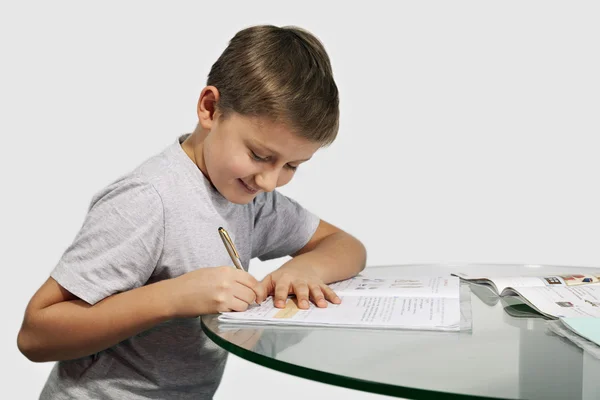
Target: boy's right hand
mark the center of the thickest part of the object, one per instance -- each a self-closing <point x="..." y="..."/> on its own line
<point x="213" y="290"/>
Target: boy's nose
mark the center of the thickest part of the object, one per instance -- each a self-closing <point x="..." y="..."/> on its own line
<point x="267" y="181"/>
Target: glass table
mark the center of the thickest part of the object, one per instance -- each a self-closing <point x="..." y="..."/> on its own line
<point x="503" y="356"/>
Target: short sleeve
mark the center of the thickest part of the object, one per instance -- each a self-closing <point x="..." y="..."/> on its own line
<point x="281" y="226"/>
<point x="119" y="244"/>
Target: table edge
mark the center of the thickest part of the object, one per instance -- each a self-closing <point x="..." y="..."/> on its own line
<point x="335" y="379"/>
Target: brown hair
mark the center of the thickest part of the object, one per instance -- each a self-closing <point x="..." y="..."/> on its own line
<point x="283" y="74"/>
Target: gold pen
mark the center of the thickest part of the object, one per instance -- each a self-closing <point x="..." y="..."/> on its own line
<point x="235" y="256"/>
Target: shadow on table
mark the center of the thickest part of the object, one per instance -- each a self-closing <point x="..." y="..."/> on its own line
<point x="265" y="340"/>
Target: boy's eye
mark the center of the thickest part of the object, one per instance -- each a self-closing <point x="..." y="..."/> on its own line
<point x="256" y="157"/>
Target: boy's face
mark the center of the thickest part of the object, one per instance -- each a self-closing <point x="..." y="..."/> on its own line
<point x="243" y="156"/>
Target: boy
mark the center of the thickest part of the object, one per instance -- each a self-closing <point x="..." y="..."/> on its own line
<point x="119" y="311"/>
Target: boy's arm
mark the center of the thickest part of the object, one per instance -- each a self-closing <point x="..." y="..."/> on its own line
<point x="60" y="326"/>
<point x="331" y="255"/>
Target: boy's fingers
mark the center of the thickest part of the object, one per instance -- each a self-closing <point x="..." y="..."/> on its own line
<point x="281" y="293"/>
<point x="261" y="291"/>
<point x="317" y="296"/>
<point x="330" y="294"/>
<point x="245" y="278"/>
<point x="245" y="293"/>
<point x="237" y="305"/>
<point x="302" y="293"/>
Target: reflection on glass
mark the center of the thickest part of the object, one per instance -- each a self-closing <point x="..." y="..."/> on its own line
<point x="265" y="340"/>
<point x="509" y="354"/>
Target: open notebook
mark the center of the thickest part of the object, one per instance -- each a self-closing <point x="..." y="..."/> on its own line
<point x="426" y="303"/>
<point x="556" y="296"/>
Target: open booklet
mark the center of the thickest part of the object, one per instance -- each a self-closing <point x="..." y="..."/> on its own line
<point x="427" y="303"/>
<point x="583" y="332"/>
<point x="555" y="296"/>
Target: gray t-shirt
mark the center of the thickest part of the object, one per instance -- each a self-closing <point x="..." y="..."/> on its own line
<point x="158" y="222"/>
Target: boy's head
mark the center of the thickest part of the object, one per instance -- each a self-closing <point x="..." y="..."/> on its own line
<point x="270" y="103"/>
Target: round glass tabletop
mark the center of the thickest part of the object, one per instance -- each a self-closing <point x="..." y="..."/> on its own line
<point x="509" y="353"/>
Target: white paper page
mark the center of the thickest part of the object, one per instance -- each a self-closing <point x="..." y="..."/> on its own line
<point x="386" y="312"/>
<point x="564" y="301"/>
<point x="517" y="282"/>
<point x="503" y="282"/>
<point x="557" y="327"/>
<point x="426" y="286"/>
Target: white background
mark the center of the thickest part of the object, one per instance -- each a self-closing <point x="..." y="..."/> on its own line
<point x="468" y="133"/>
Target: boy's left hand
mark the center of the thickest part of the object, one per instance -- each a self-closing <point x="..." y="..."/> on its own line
<point x="301" y="280"/>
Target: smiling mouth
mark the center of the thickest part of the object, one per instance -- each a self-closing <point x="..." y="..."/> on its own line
<point x="249" y="189"/>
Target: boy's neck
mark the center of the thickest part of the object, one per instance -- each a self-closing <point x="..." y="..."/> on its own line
<point x="192" y="146"/>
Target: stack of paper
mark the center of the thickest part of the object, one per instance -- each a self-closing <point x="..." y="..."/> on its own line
<point x="582" y="331"/>
<point x="556" y="296"/>
<point x="427" y="303"/>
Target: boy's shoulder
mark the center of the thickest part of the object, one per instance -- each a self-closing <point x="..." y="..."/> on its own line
<point x="159" y="172"/>
<point x="158" y="167"/>
<point x="166" y="170"/>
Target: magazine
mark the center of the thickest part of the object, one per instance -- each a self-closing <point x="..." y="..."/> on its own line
<point x="427" y="303"/>
<point x="555" y="296"/>
<point x="583" y="332"/>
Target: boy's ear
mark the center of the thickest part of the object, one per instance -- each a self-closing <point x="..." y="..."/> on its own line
<point x="207" y="106"/>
